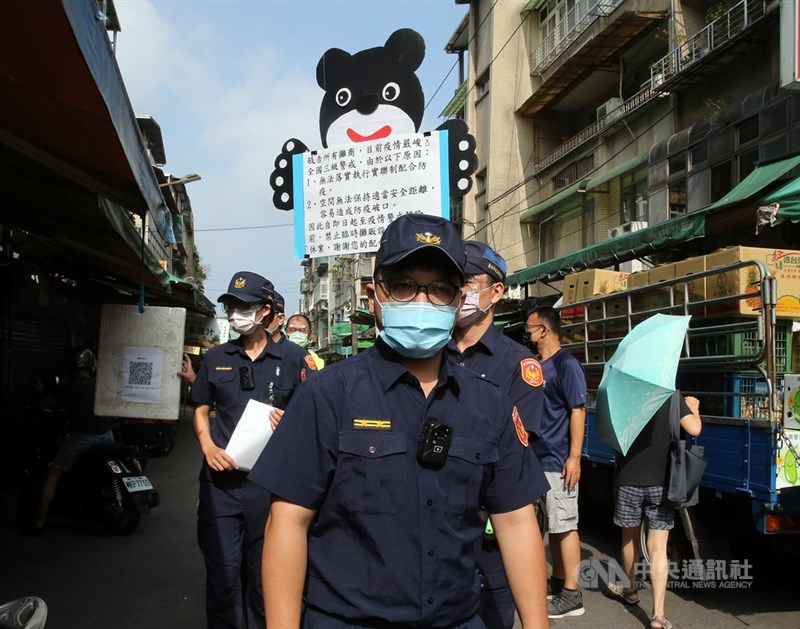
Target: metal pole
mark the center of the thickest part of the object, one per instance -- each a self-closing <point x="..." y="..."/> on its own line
<point x="353" y="304"/>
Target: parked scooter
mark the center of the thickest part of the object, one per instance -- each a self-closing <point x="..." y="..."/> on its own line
<point x="106" y="483"/>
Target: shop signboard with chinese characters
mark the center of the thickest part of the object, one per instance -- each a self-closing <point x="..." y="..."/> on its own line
<point x="349" y="194"/>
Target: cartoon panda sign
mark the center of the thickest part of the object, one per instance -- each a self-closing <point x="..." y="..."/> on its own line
<point x="375" y="164"/>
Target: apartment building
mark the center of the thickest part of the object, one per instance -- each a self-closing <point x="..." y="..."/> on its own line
<point x="612" y="132"/>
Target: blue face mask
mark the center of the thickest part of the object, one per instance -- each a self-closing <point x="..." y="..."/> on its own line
<point x="416" y="329"/>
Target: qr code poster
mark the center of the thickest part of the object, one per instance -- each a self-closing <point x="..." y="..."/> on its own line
<point x="141" y="374"/>
<point x="139" y="355"/>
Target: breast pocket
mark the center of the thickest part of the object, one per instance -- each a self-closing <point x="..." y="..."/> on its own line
<point x="372" y="474"/>
<point x="464" y="471"/>
<point x="225" y="387"/>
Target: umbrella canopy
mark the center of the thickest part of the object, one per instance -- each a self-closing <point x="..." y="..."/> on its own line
<point x="638" y="378"/>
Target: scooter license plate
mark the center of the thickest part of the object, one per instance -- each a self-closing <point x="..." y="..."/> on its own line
<point x="137" y="483"/>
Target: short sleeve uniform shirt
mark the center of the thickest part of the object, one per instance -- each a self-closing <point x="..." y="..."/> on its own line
<point x="393" y="539"/>
<point x="564" y="389"/>
<point x="506" y="362"/>
<point x="276" y="373"/>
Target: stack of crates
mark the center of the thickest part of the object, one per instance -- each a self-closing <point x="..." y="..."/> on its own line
<point x="745" y="344"/>
<point x="749" y="399"/>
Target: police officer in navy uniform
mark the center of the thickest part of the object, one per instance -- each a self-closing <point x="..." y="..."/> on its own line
<point x="256" y="498"/>
<point x="380" y="466"/>
<point x="478" y="345"/>
<point x="251" y="367"/>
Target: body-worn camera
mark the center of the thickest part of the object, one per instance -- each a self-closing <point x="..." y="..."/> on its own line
<point x="246" y="381"/>
<point x="434" y="443"/>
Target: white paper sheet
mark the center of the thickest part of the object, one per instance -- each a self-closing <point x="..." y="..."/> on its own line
<point x="141" y="374"/>
<point x="250" y="435"/>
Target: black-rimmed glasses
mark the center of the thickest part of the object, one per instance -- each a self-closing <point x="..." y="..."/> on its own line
<point x="404" y="290"/>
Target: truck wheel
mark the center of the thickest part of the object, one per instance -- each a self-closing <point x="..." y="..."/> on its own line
<point x="122" y="519"/>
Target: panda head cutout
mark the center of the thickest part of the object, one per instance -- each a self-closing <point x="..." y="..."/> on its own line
<point x="373" y="94"/>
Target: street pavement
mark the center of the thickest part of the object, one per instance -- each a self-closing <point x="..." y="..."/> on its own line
<point x="154" y="578"/>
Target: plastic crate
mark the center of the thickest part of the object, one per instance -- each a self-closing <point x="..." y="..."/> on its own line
<point x="744" y="344"/>
<point x="751" y="391"/>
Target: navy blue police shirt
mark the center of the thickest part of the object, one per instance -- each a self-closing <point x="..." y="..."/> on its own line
<point x="506" y="362"/>
<point x="276" y="374"/>
<point x="564" y="389"/>
<point x="393" y="540"/>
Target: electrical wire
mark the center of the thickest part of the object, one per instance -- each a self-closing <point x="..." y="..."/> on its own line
<point x="229" y="229"/>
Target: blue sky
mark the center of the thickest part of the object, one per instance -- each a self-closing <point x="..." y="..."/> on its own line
<point x="229" y="81"/>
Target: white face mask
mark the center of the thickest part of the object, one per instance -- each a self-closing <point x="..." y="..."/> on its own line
<point x="471" y="311"/>
<point x="245" y="322"/>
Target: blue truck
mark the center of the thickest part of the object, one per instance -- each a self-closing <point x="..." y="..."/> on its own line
<point x="737" y="359"/>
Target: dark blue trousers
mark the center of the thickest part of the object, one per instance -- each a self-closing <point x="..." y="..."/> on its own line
<point x="233" y="577"/>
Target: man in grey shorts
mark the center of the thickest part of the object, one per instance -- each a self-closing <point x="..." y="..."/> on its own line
<point x="559" y="450"/>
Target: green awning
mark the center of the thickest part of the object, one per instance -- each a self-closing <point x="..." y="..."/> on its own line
<point x="619" y="249"/>
<point x="533" y="5"/>
<point x="756" y="181"/>
<point x="560" y="197"/>
<point x="344" y="329"/>
<point x="615" y="172"/>
<point x="456" y="104"/>
<point x="781" y="204"/>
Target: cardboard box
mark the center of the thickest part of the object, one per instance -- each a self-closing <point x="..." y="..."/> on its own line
<point x="635" y="280"/>
<point x="569" y="289"/>
<point x="695" y="287"/>
<point x="659" y="297"/>
<point x="783" y="264"/>
<point x="591" y="282"/>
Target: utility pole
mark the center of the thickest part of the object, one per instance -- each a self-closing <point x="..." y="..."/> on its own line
<point x="353" y="304"/>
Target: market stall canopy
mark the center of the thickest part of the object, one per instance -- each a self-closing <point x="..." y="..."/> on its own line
<point x="72" y="159"/>
<point x="620" y="249"/>
<point x="756" y="182"/>
<point x="781" y="205"/>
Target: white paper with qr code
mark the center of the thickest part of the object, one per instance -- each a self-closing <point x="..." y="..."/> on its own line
<point x="141" y="374"/>
<point x="250" y="435"/>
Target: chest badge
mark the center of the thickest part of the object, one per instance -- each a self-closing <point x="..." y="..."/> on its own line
<point x="223" y="368"/>
<point x="371" y="423"/>
<point x="531" y="372"/>
<point x="522" y="434"/>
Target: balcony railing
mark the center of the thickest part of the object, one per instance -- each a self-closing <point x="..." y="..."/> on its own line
<point x="646" y="94"/>
<point x="717" y="34"/>
<point x="570" y="26"/>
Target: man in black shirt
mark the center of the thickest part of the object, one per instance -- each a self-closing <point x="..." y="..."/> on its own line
<point x="640" y="486"/>
<point x="85" y="430"/>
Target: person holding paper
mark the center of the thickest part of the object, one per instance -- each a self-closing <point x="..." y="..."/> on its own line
<point x="251" y="367"/>
<point x="381" y="465"/>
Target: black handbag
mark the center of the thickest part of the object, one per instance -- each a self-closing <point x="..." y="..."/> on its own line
<point x="686" y="463"/>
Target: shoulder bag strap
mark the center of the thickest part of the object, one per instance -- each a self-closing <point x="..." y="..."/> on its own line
<point x="674" y="416"/>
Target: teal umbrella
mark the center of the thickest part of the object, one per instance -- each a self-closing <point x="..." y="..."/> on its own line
<point x="638" y="378"/>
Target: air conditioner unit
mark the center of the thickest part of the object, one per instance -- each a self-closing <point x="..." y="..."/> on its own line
<point x="606" y="108"/>
<point x="626" y="228"/>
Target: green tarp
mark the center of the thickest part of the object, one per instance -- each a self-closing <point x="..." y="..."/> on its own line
<point x="617" y="171"/>
<point x="756" y="181"/>
<point x="787" y="198"/>
<point x="344" y="329"/>
<point x="620" y="249"/>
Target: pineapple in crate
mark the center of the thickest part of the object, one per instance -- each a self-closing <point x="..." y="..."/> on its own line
<point x="753" y="285"/>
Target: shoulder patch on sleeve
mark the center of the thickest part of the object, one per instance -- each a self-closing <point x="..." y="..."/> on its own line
<point x="522" y="434"/>
<point x="531" y="372"/>
<point x="310" y="362"/>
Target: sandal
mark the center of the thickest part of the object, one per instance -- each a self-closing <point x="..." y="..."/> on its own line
<point x="660" y="622"/>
